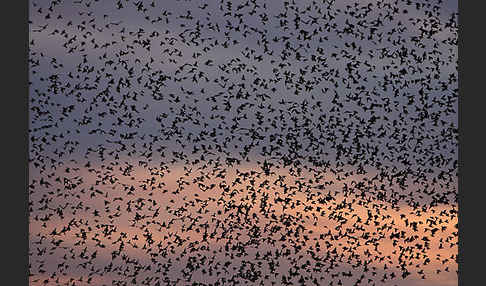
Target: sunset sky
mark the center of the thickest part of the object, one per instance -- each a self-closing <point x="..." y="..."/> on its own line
<point x="243" y="142"/>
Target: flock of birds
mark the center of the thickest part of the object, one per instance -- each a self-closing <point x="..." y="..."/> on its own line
<point x="243" y="142"/>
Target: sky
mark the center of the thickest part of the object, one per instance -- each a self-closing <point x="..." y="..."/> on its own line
<point x="264" y="140"/>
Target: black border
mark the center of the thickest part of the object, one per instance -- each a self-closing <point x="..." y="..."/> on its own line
<point x="15" y="231"/>
<point x="471" y="112"/>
